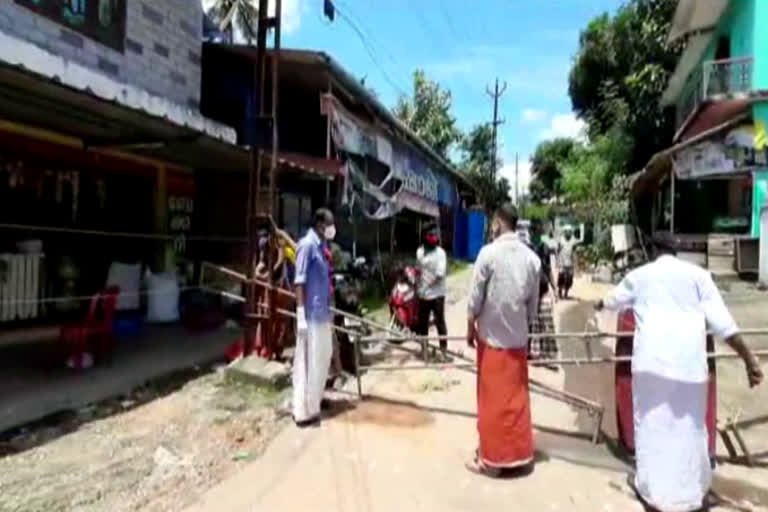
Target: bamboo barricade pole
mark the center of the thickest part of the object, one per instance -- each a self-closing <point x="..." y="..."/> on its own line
<point x="592" y="407"/>
<point x="627" y="359"/>
<point x="588" y="335"/>
<point x="395" y="336"/>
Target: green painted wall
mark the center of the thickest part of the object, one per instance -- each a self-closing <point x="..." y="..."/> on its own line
<point x="738" y="24"/>
<point x="760" y="47"/>
<point x="759" y="196"/>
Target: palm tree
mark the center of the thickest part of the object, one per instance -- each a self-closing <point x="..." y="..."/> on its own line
<point x="239" y="18"/>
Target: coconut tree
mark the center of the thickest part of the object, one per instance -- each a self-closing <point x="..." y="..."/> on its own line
<point x="240" y="18"/>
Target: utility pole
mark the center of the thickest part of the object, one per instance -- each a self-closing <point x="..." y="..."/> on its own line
<point x="517" y="178"/>
<point x="495" y="95"/>
<point x="259" y="215"/>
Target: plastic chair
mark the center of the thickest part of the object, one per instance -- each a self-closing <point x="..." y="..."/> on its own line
<point x="94" y="333"/>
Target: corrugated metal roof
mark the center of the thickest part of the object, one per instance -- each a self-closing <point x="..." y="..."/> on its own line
<point x="353" y="86"/>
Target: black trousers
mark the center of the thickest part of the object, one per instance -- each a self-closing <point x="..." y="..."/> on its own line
<point x="426" y="309"/>
<point x="565" y="279"/>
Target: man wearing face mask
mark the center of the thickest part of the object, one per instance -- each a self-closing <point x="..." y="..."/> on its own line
<point x="433" y="266"/>
<point x="314" y="340"/>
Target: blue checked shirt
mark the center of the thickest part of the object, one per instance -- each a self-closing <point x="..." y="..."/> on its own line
<point x="312" y="270"/>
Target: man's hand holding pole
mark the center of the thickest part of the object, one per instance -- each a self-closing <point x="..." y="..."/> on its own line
<point x="754" y="372"/>
<point x="471" y="333"/>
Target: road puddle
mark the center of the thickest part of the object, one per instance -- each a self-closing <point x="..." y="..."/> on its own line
<point x="387" y="414"/>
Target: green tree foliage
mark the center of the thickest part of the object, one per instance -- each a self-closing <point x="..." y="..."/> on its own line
<point x="477" y="163"/>
<point x="596" y="186"/>
<point x="547" y="167"/>
<point x="589" y="177"/>
<point x="620" y="71"/>
<point x="428" y="113"/>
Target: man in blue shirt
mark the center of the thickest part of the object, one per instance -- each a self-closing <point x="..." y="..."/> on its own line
<point x="314" y="341"/>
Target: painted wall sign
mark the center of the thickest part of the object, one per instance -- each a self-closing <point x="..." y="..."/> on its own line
<point x="101" y="20"/>
<point x="180" y="211"/>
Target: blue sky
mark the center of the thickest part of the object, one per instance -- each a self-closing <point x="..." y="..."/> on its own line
<point x="464" y="45"/>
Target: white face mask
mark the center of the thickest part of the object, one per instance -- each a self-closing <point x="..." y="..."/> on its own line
<point x="330" y="232"/>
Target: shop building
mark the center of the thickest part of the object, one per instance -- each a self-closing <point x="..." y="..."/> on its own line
<point x="103" y="150"/>
<point x="338" y="147"/>
<point x="705" y="193"/>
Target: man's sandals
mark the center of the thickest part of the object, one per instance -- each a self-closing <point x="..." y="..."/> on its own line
<point x="477" y="467"/>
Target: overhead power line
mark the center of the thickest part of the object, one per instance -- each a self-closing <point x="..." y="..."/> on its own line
<point x="372" y="53"/>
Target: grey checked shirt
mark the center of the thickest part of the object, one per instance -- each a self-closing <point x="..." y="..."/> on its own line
<point x="505" y="292"/>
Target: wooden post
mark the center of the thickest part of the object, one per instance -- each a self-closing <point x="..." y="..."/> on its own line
<point x="672" y="179"/>
<point x="358" y="374"/>
<point x="392" y="236"/>
<point x="161" y="218"/>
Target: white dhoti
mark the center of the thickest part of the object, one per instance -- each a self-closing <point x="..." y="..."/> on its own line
<point x="310" y="370"/>
<point x="671" y="444"/>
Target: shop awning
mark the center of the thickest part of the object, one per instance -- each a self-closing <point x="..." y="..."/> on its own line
<point x="660" y="165"/>
<point x="328" y="168"/>
<point x="715" y="114"/>
<point x="42" y="90"/>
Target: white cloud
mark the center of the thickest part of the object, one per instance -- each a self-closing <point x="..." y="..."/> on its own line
<point x="532" y="115"/>
<point x="523" y="175"/>
<point x="291" y="14"/>
<point x="565" y="125"/>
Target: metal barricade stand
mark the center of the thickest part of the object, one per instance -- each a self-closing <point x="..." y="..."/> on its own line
<point x="390" y="338"/>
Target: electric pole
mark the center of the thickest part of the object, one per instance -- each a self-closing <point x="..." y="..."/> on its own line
<point x="260" y="205"/>
<point x="495" y="95"/>
<point x="517" y="190"/>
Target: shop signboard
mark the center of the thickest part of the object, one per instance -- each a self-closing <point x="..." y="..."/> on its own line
<point x="180" y="209"/>
<point x="100" y="20"/>
<point x="701" y="160"/>
<point x="355" y="136"/>
<point x="418" y="179"/>
<point x="740" y="150"/>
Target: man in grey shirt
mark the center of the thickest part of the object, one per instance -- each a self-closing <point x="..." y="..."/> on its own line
<point x="565" y="249"/>
<point x="503" y="298"/>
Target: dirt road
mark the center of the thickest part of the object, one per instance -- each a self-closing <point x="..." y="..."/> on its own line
<point x="405" y="450"/>
<point x="151" y="452"/>
<point x="404" y="447"/>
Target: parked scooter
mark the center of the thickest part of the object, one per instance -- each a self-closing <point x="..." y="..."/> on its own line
<point x="348" y="289"/>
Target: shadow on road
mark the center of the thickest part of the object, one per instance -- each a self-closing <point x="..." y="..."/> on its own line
<point x="595" y="381"/>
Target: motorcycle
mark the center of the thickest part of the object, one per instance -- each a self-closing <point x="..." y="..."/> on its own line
<point x="348" y="288"/>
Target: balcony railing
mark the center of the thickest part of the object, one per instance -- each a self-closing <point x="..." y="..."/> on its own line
<point x="717" y="79"/>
